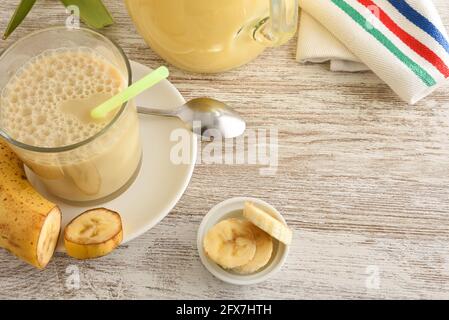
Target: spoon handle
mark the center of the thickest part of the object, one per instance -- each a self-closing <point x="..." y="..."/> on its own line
<point x="156" y="112"/>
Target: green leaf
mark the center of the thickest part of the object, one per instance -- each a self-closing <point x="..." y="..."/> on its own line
<point x="92" y="12"/>
<point x="21" y="12"/>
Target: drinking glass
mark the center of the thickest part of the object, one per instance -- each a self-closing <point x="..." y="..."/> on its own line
<point x="103" y="163"/>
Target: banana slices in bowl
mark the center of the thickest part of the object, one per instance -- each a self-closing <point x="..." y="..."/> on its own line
<point x="243" y="241"/>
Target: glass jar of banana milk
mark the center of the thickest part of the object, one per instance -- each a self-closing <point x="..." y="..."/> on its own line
<point x="213" y="35"/>
<point x="49" y="81"/>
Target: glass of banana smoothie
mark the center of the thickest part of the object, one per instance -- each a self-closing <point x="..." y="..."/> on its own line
<point x="49" y="82"/>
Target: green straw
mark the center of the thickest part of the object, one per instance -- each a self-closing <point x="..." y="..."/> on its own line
<point x="135" y="89"/>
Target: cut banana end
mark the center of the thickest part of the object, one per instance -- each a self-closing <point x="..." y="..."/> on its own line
<point x="230" y="243"/>
<point x="264" y="250"/>
<point x="48" y="237"/>
<point x="93" y="234"/>
<point x="267" y="223"/>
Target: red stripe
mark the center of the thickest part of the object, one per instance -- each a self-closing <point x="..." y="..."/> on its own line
<point x="407" y="38"/>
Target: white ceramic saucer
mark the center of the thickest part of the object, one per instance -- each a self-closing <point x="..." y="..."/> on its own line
<point x="160" y="183"/>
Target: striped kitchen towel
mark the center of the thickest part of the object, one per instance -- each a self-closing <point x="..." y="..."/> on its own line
<point x="403" y="41"/>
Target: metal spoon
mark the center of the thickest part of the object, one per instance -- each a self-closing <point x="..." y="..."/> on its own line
<point x="205" y="115"/>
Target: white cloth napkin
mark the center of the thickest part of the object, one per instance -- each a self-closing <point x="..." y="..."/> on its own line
<point x="403" y="41"/>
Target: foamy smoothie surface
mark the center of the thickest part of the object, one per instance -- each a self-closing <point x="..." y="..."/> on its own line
<point x="48" y="101"/>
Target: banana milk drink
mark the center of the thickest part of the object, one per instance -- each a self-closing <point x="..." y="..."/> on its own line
<point x="46" y="107"/>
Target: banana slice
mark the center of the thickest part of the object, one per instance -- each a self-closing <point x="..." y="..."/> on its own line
<point x="264" y="250"/>
<point x="230" y="243"/>
<point x="93" y="234"/>
<point x="85" y="176"/>
<point x="267" y="223"/>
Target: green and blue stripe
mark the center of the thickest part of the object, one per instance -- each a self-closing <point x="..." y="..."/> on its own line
<point x="386" y="42"/>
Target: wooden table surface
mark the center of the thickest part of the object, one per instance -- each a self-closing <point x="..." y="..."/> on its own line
<point x="363" y="179"/>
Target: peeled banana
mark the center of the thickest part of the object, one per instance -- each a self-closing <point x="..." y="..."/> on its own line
<point x="230" y="243"/>
<point x="93" y="234"/>
<point x="29" y="223"/>
<point x="267" y="223"/>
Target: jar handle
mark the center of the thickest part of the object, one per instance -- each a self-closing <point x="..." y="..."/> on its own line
<point x="280" y="26"/>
